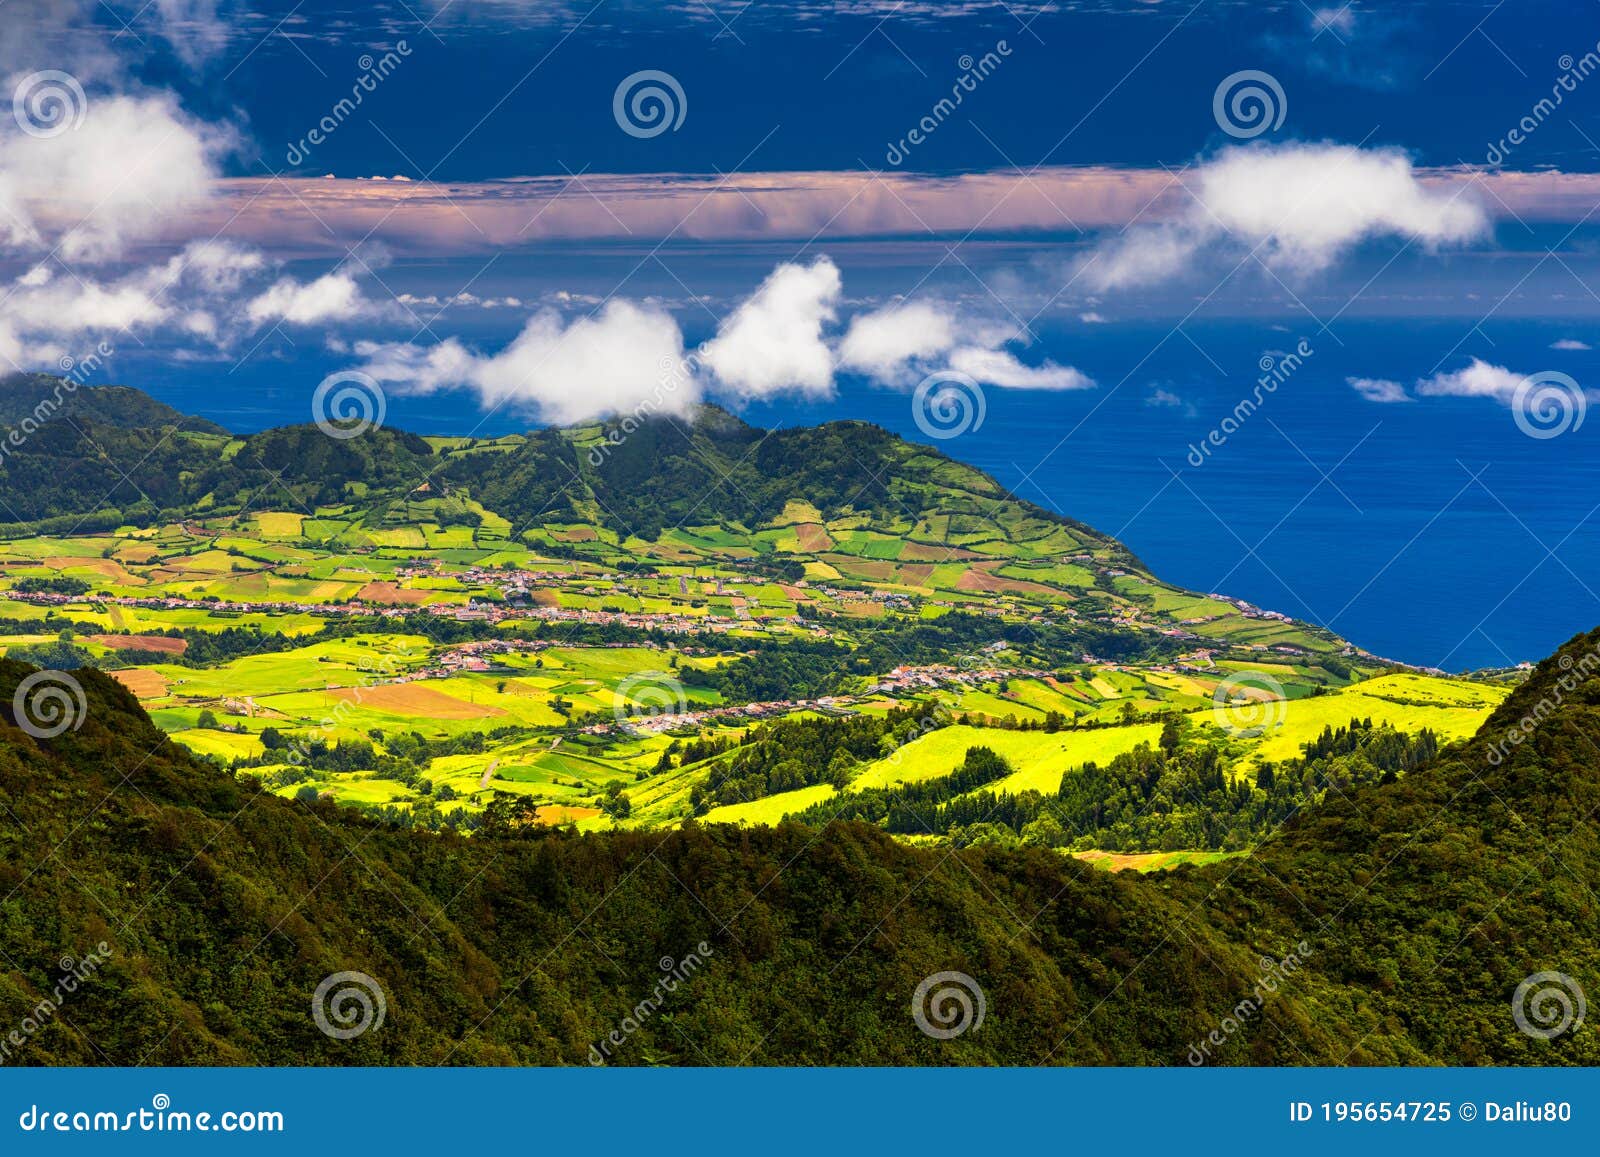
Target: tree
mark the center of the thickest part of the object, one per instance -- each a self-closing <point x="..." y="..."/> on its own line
<point x="207" y="719"/>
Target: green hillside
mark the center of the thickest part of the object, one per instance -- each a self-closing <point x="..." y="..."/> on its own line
<point x="1412" y="909"/>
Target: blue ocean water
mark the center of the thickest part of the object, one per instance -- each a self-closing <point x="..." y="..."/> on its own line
<point x="1434" y="532"/>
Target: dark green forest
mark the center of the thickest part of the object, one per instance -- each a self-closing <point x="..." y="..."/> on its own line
<point x="1422" y="893"/>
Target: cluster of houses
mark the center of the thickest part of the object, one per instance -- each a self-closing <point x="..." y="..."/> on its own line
<point x="648" y="724"/>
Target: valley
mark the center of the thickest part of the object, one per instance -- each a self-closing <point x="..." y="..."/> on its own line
<point x="392" y="629"/>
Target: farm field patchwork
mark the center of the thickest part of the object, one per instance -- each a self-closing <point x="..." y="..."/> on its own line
<point x="419" y="657"/>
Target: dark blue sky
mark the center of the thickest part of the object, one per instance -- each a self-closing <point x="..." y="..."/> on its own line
<point x="503" y="88"/>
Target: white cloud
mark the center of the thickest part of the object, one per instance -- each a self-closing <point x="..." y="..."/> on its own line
<point x="130" y="168"/>
<point x="993" y="367"/>
<point x="332" y="297"/>
<point x="1570" y="343"/>
<point x="1379" y="390"/>
<point x="902" y="343"/>
<point x="623" y="357"/>
<point x="1165" y="399"/>
<point x="773" y="342"/>
<point x="1478" y="380"/>
<point x="777" y="340"/>
<point x="882" y="344"/>
<point x="1297" y="208"/>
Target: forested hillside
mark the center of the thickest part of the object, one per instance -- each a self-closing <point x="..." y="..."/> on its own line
<point x="1411" y="908"/>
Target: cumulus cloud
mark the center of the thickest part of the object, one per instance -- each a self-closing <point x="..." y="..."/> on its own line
<point x="773" y="342"/>
<point x="132" y="166"/>
<point x="612" y="362"/>
<point x="1379" y="390"/>
<point x="1298" y="208"/>
<point x="782" y="338"/>
<point x="333" y="297"/>
<point x="994" y="367"/>
<point x="47" y="314"/>
<point x="882" y="344"/>
<point x="1478" y="380"/>
<point x="904" y="342"/>
<point x="1533" y="394"/>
